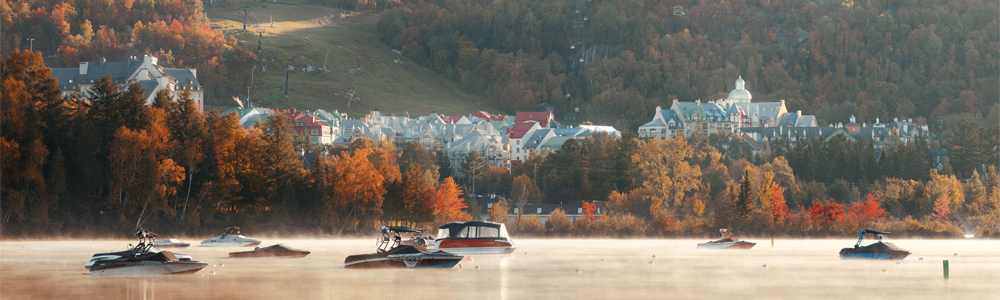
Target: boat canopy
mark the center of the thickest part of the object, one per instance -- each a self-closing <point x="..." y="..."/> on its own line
<point x="404" y="229"/>
<point x="472" y="230"/>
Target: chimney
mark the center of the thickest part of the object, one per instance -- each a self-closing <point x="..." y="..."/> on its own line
<point x="675" y="101"/>
<point x="697" y="102"/>
<point x="799" y="112"/>
<point x="102" y="61"/>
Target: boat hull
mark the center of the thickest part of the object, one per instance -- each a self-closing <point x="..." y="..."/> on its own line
<point x="170" y="244"/>
<point x="727" y="245"/>
<point x="150" y="268"/>
<point x="473" y="246"/>
<point x="402" y="261"/>
<point x="878" y="250"/>
<point x="873" y="255"/>
<point x="230" y="241"/>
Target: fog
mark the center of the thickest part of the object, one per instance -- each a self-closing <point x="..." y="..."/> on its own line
<point x="539" y="269"/>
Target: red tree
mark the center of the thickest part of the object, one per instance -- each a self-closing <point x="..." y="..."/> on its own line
<point x="941" y="211"/>
<point x="826" y="213"/>
<point x="589" y="209"/>
<point x="864" y="212"/>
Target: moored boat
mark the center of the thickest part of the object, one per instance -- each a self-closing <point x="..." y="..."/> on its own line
<point x="279" y="250"/>
<point x="474" y="237"/>
<point x="877" y="250"/>
<point x="140" y="261"/>
<point x="149" y="248"/>
<point x="393" y="252"/>
<point x="231" y="238"/>
<point x="728" y="241"/>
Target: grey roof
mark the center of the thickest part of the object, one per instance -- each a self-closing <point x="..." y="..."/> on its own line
<point x="64" y="75"/>
<point x="149" y="85"/>
<point x="184" y="78"/>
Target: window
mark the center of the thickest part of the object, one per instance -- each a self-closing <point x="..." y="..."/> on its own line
<point x="489" y="232"/>
<point x="489" y="205"/>
<point x="539" y="210"/>
<point x="579" y="210"/>
<point x="515" y="210"/>
<point x="314" y="131"/>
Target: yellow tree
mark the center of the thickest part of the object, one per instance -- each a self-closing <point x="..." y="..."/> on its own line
<point x="357" y="190"/>
<point x="222" y="188"/>
<point x="141" y="172"/>
<point x="666" y="175"/>
<point x="446" y="205"/>
<point x="943" y="186"/>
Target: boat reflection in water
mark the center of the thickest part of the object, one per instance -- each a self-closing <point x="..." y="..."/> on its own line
<point x="393" y="252"/>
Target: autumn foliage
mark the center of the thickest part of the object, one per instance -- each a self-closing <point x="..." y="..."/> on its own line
<point x="446" y="205"/>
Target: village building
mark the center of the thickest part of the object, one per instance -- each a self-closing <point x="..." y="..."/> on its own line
<point x="152" y="77"/>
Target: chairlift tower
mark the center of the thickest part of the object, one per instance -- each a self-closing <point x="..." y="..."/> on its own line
<point x="245" y="11"/>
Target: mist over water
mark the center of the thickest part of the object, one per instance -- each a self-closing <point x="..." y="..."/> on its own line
<point x="539" y="269"/>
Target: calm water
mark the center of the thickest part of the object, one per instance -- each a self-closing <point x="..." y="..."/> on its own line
<point x="540" y="269"/>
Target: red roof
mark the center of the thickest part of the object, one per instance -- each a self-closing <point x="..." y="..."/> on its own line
<point x="542" y="117"/>
<point x="451" y="119"/>
<point x="488" y="116"/>
<point x="520" y="129"/>
<point x="310" y="120"/>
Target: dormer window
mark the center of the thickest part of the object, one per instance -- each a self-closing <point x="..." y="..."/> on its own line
<point x="71" y="81"/>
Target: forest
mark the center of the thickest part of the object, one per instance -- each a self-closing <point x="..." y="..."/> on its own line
<point x="616" y="60"/>
<point x="103" y="163"/>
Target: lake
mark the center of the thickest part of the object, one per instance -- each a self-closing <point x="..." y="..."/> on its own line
<point x="539" y="269"/>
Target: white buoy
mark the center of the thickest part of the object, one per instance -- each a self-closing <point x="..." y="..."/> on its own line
<point x="602" y="259"/>
<point x="654" y="255"/>
<point x="899" y="263"/>
<point x="577" y="271"/>
<point x="955" y="255"/>
<point x="764" y="266"/>
<point x="920" y="259"/>
<point x="222" y="265"/>
<point x="651" y="263"/>
<point x="477" y="267"/>
<point x="885" y="271"/>
<point x="213" y="265"/>
<point x="211" y="272"/>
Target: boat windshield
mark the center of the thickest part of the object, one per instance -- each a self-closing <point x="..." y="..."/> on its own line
<point x="443" y="233"/>
<point x="503" y="231"/>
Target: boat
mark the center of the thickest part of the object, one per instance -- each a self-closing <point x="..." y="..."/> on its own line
<point x="279" y="250"/>
<point x="171" y="243"/>
<point x="474" y="237"/>
<point x="393" y="252"/>
<point x="114" y="255"/>
<point x="231" y="238"/>
<point x="140" y="261"/>
<point x="728" y="241"/>
<point x="151" y="248"/>
<point x="877" y="250"/>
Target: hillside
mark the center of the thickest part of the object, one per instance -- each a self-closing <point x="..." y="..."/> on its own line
<point x="301" y="37"/>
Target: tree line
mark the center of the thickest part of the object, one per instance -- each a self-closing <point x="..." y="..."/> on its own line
<point x="685" y="186"/>
<point x="103" y="162"/>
